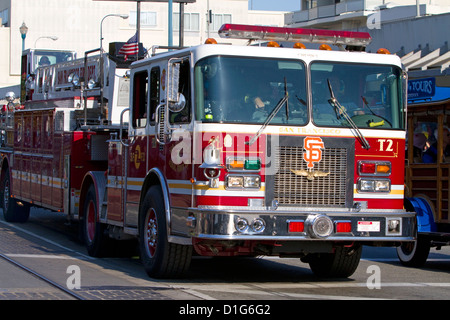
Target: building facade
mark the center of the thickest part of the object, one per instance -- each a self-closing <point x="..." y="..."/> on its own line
<point x="357" y="14"/>
<point x="415" y="30"/>
<point x="76" y="25"/>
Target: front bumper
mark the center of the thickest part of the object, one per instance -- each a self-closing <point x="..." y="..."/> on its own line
<point x="228" y="224"/>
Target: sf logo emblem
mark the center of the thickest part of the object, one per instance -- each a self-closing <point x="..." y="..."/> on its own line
<point x="137" y="157"/>
<point x="313" y="152"/>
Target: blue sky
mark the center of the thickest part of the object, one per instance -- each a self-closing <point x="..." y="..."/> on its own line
<point x="275" y="5"/>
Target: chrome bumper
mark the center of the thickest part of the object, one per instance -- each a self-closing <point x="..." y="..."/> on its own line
<point x="227" y="224"/>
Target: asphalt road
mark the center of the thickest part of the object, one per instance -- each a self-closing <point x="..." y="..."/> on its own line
<point x="49" y="246"/>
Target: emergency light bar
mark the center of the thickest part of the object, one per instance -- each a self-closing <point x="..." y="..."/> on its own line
<point x="250" y="32"/>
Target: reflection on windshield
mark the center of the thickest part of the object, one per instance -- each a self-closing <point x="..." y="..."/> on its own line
<point x="370" y="94"/>
<point x="242" y="90"/>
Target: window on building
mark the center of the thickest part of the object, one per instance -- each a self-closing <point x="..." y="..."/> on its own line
<point x="4" y="17"/>
<point x="219" y="19"/>
<point x="148" y="19"/>
<point x="311" y="4"/>
<point x="191" y="21"/>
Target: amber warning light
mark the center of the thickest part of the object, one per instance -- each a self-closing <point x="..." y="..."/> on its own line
<point x="250" y="32"/>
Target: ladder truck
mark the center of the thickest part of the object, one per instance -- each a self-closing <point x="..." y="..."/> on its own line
<point x="227" y="150"/>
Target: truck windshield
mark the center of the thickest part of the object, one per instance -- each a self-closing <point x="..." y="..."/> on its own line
<point x="244" y="90"/>
<point x="371" y="95"/>
<point x="45" y="58"/>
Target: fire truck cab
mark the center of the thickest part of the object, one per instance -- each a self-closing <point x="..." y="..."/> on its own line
<point x="32" y="59"/>
<point x="248" y="150"/>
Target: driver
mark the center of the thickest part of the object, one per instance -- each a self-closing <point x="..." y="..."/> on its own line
<point x="44" y="61"/>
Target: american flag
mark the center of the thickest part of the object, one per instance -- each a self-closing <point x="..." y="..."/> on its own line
<point x="131" y="47"/>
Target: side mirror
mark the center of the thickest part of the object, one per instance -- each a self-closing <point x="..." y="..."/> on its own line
<point x="178" y="105"/>
<point x="176" y="100"/>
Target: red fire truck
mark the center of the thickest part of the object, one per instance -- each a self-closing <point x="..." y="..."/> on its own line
<point x="224" y="150"/>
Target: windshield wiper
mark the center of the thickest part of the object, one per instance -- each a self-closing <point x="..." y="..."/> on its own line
<point x="271" y="116"/>
<point x="303" y="102"/>
<point x="340" y="111"/>
<point x="373" y="124"/>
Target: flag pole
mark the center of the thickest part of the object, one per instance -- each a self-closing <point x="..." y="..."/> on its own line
<point x="170" y="23"/>
<point x="138" y="26"/>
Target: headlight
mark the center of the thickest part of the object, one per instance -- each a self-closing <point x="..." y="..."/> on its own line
<point x="252" y="182"/>
<point x="374" y="185"/>
<point x="92" y="84"/>
<point x="76" y="80"/>
<point x="233" y="181"/>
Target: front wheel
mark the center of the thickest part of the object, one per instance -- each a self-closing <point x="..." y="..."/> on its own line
<point x="160" y="258"/>
<point x="340" y="264"/>
<point x="414" y="254"/>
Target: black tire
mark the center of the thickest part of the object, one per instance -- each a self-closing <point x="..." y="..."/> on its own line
<point x="414" y="254"/>
<point x="93" y="231"/>
<point x="13" y="211"/>
<point x="340" y="264"/>
<point x="160" y="258"/>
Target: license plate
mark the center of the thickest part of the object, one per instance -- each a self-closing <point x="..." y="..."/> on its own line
<point x="373" y="226"/>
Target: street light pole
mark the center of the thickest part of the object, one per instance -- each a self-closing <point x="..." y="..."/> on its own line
<point x="23" y="32"/>
<point x="123" y="16"/>
<point x="54" y="38"/>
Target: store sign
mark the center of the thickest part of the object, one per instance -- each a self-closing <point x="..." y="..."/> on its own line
<point x="421" y="88"/>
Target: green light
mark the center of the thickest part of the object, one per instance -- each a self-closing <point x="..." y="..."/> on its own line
<point x="252" y="164"/>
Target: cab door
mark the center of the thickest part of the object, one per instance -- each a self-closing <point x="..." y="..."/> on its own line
<point x="179" y="126"/>
<point x="136" y="160"/>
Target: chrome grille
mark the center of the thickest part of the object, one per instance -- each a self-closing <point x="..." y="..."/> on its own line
<point x="293" y="190"/>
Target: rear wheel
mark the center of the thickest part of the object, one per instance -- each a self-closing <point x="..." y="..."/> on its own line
<point x="160" y="258"/>
<point x="340" y="264"/>
<point x="13" y="211"/>
<point x="93" y="230"/>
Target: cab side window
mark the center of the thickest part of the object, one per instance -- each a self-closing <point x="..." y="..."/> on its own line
<point x="184" y="116"/>
<point x="140" y="99"/>
<point x="154" y="91"/>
